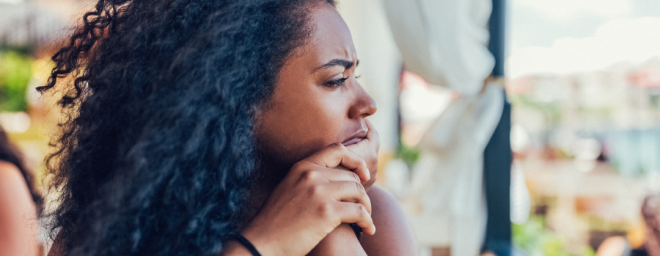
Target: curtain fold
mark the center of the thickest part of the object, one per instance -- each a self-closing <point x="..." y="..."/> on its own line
<point x="445" y="42"/>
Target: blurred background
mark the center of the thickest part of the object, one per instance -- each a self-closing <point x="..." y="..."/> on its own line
<point x="553" y="167"/>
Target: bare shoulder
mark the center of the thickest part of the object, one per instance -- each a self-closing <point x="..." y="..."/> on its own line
<point x="11" y="179"/>
<point x="393" y="233"/>
<point x="14" y="191"/>
<point x="6" y="168"/>
<point x="18" y="220"/>
<point x="12" y="186"/>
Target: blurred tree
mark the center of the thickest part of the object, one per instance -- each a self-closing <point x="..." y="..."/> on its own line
<point x="15" y="75"/>
<point x="536" y="239"/>
<point x="408" y="154"/>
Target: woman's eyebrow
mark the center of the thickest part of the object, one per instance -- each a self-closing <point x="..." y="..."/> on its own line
<point x="337" y="62"/>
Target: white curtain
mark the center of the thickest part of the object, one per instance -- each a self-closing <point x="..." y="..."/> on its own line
<point x="380" y="64"/>
<point x="445" y="42"/>
<point x="448" y="178"/>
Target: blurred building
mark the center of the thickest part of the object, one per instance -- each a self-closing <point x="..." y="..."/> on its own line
<point x="589" y="145"/>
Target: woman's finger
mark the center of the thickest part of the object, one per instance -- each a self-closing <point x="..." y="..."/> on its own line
<point x="356" y="213"/>
<point x="337" y="174"/>
<point x="349" y="191"/>
<point x="338" y="155"/>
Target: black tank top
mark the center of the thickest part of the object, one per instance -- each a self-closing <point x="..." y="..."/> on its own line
<point x="639" y="252"/>
<point x="357" y="229"/>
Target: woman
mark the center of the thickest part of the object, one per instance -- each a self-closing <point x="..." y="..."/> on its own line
<point x="618" y="246"/>
<point x="651" y="214"/>
<point x="207" y="127"/>
<point x="18" y="197"/>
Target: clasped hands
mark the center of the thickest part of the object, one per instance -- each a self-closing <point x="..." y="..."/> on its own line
<point x="318" y="194"/>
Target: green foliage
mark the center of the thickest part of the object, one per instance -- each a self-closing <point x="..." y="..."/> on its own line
<point x="408" y="154"/>
<point x="535" y="239"/>
<point x="25" y="49"/>
<point x="15" y="75"/>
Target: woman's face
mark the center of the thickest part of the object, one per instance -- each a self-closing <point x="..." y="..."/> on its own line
<point x="317" y="100"/>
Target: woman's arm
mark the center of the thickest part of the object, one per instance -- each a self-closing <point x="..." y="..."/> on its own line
<point x="312" y="201"/>
<point x="18" y="221"/>
<point x="393" y="237"/>
<point x="341" y="242"/>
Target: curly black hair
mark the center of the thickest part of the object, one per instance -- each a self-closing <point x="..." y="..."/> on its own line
<point x="156" y="153"/>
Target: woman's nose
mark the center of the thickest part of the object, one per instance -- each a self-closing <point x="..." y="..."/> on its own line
<point x="363" y="105"/>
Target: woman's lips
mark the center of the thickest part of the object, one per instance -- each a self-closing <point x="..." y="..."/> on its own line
<point x="352" y="141"/>
<point x="355" y="138"/>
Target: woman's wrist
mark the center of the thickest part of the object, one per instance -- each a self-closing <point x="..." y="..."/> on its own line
<point x="243" y="243"/>
<point x="260" y="243"/>
<point x="234" y="248"/>
<point x="341" y="241"/>
<point x="238" y="237"/>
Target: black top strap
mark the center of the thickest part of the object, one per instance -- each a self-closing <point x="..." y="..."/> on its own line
<point x="357" y="229"/>
<point x="246" y="243"/>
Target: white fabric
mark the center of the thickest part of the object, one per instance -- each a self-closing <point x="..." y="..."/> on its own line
<point x="445" y="42"/>
<point x="380" y="64"/>
<point x="448" y="177"/>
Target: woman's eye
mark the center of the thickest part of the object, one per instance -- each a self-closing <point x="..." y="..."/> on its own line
<point x="338" y="82"/>
<point x="358" y="76"/>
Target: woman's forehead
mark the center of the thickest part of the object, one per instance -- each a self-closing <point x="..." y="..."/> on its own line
<point x="331" y="38"/>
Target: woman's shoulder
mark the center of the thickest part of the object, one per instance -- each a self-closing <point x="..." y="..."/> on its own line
<point x="17" y="213"/>
<point x="11" y="179"/>
<point x="14" y="191"/>
<point x="13" y="186"/>
<point x="7" y="168"/>
<point x="393" y="233"/>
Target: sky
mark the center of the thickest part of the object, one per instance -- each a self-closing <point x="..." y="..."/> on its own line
<point x="568" y="36"/>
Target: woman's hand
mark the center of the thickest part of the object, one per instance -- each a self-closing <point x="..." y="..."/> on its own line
<point x="342" y="240"/>
<point x="368" y="150"/>
<point x="313" y="199"/>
